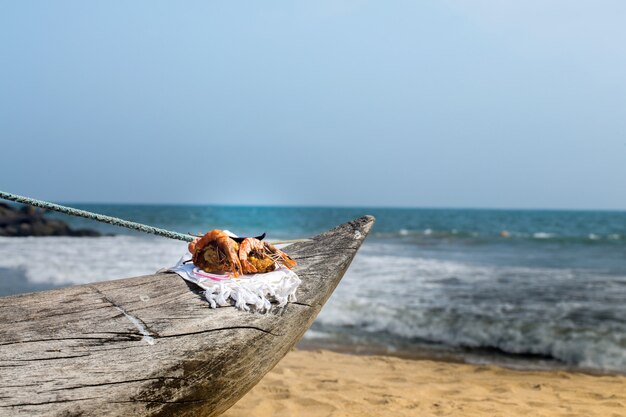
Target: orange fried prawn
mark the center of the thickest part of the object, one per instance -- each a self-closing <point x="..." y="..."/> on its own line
<point x="257" y="256"/>
<point x="216" y="252"/>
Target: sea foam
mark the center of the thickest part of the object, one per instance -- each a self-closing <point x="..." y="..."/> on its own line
<point x="570" y="315"/>
<point x="71" y="260"/>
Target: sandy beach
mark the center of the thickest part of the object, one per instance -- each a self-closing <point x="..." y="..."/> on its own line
<point x="324" y="383"/>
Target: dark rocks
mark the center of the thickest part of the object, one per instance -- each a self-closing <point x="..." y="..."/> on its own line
<point x="30" y="221"/>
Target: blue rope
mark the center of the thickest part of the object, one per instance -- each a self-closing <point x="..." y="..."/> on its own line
<point x="98" y="217"/>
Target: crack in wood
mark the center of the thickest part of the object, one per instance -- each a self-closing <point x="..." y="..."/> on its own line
<point x="219" y="329"/>
<point x="60" y="339"/>
<point x="134" y="334"/>
<point x="162" y="402"/>
<point x="36" y="384"/>
<point x="45" y="359"/>
<point x="133" y="337"/>
<point x="129" y="381"/>
<point x="201" y="331"/>
<point x="49" y="315"/>
<point x="48" y="402"/>
<point x="148" y="335"/>
<point x="300" y="303"/>
<point x="140" y="325"/>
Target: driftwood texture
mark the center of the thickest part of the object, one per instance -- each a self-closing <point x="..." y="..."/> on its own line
<point x="151" y="346"/>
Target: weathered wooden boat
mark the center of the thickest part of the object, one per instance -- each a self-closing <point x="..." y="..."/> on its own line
<point x="150" y="346"/>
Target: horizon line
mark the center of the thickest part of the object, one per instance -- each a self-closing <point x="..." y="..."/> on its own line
<point x="340" y="206"/>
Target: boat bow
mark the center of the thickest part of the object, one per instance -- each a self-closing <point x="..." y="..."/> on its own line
<point x="150" y="346"/>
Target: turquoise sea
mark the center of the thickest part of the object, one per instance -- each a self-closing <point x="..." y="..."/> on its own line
<point x="527" y="288"/>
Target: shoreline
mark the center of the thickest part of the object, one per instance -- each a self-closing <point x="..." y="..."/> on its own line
<point x="476" y="357"/>
<point x="325" y="383"/>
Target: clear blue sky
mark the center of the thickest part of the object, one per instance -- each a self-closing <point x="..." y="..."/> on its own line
<point x="386" y="103"/>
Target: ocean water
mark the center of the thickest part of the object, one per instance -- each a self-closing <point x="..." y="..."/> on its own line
<point x="550" y="292"/>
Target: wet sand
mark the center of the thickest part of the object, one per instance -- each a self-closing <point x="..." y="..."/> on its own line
<point x="323" y="383"/>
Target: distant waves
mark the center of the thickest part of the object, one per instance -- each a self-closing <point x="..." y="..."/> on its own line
<point x="513" y="235"/>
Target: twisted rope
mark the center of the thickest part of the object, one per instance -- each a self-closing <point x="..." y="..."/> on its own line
<point x="95" y="216"/>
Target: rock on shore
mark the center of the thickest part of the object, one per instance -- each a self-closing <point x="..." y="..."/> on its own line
<point x="30" y="221"/>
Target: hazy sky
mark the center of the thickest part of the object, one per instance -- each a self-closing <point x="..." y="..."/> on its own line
<point x="386" y="103"/>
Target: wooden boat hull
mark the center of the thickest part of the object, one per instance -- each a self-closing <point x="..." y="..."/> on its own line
<point x="150" y="346"/>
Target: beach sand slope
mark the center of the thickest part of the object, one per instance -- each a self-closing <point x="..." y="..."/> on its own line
<point x="323" y="383"/>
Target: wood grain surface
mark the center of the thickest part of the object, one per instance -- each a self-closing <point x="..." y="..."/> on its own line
<point x="151" y="346"/>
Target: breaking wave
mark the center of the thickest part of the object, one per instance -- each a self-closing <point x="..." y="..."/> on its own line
<point x="70" y="260"/>
<point x="565" y="314"/>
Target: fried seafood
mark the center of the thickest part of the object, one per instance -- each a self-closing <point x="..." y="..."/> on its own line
<point x="256" y="256"/>
<point x="217" y="252"/>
